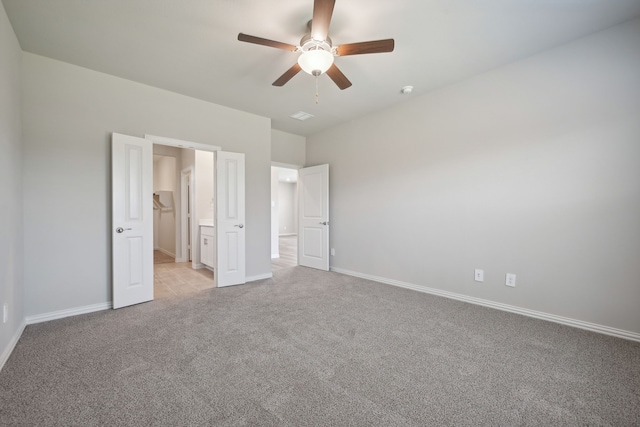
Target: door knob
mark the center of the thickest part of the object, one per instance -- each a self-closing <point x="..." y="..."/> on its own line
<point x="323" y="223"/>
<point x="120" y="229"/>
<point x="239" y="225"/>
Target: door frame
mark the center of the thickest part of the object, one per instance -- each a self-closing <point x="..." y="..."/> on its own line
<point x="178" y="143"/>
<point x="186" y="179"/>
<point x="297" y="168"/>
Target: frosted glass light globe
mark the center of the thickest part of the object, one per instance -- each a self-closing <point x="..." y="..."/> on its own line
<point x="315" y="62"/>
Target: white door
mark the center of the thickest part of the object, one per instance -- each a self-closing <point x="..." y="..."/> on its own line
<point x="313" y="222"/>
<point x="230" y="232"/>
<point x="132" y="219"/>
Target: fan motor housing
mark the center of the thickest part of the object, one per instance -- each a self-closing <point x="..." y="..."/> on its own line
<point x="308" y="43"/>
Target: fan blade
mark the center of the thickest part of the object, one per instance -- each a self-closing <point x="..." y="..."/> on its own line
<point x="378" y="46"/>
<point x="266" y="42"/>
<point x="338" y="78"/>
<point x="288" y="75"/>
<point x="322" y="11"/>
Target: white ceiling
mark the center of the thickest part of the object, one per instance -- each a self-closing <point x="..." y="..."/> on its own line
<point x="191" y="47"/>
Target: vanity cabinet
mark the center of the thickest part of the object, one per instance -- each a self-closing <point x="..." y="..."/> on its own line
<point x="207" y="246"/>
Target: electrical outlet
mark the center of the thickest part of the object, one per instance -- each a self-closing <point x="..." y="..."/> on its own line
<point x="333" y="251"/>
<point x="5" y="313"/>
<point x="479" y="275"/>
<point x="510" y="280"/>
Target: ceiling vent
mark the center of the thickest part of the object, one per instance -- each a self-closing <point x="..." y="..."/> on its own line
<point x="301" y="115"/>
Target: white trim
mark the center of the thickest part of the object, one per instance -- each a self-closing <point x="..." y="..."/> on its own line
<point x="187" y="176"/>
<point x="171" y="142"/>
<point x="286" y="165"/>
<point x="45" y="317"/>
<point x="275" y="256"/>
<point x="620" y="333"/>
<point x="12" y="344"/>
<point x="287" y="234"/>
<point x="259" y="277"/>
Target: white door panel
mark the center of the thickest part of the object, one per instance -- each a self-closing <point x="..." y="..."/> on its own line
<point x="313" y="233"/>
<point x="230" y="214"/>
<point x="132" y="220"/>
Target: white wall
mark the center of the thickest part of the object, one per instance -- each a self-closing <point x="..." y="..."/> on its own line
<point x="204" y="185"/>
<point x="288" y="148"/>
<point x="275" y="213"/>
<point x="189" y="161"/>
<point x="203" y="195"/>
<point x="532" y="169"/>
<point x="287" y="218"/>
<point x="164" y="220"/>
<point x="11" y="249"/>
<point x="69" y="113"/>
<point x="176" y="153"/>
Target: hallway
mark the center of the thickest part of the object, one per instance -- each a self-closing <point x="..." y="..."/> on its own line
<point x="288" y="253"/>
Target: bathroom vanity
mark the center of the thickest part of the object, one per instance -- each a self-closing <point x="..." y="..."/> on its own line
<point x="207" y="244"/>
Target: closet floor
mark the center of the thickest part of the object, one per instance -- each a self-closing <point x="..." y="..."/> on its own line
<point x="178" y="278"/>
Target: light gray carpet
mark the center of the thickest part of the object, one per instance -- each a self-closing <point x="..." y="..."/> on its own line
<point x="314" y="348"/>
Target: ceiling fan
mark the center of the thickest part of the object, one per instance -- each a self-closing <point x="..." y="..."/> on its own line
<point x="317" y="51"/>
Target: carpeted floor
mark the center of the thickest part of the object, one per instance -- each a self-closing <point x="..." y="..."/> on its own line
<point x="314" y="348"/>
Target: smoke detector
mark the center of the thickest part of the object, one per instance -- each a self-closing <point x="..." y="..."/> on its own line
<point x="406" y="90"/>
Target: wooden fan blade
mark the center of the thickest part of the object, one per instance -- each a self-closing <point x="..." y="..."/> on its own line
<point x="378" y="46"/>
<point x="322" y="11"/>
<point x="338" y="78"/>
<point x="266" y="42"/>
<point x="288" y="75"/>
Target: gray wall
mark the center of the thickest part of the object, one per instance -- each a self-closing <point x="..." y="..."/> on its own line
<point x="287" y="148"/>
<point x="532" y="169"/>
<point x="68" y="114"/>
<point x="11" y="256"/>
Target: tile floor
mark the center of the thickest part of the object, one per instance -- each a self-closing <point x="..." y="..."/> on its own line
<point x="288" y="253"/>
<point x="179" y="279"/>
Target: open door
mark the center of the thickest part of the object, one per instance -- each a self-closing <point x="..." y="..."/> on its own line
<point x="313" y="224"/>
<point x="132" y="219"/>
<point x="230" y="219"/>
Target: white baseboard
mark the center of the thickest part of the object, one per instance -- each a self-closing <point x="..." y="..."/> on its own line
<point x="259" y="277"/>
<point x="12" y="344"/>
<point x="166" y="252"/>
<point x="620" y="333"/>
<point x="275" y="256"/>
<point x="45" y="317"/>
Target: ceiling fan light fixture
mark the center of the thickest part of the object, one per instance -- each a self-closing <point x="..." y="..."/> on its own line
<point x="315" y="61"/>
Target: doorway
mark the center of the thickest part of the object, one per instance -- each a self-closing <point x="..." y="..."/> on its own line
<point x="164" y="209"/>
<point x="178" y="270"/>
<point x="132" y="216"/>
<point x="284" y="217"/>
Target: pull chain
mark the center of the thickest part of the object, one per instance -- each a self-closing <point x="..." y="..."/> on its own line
<point x="316" y="89"/>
